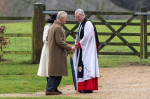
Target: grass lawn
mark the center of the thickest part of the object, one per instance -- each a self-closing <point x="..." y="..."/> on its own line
<point x="20" y="76"/>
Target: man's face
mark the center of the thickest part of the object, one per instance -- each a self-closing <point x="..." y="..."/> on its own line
<point x="64" y="20"/>
<point x="79" y="17"/>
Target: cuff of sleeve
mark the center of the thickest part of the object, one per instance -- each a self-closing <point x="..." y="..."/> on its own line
<point x="79" y="44"/>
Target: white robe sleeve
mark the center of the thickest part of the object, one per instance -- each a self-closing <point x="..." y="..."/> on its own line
<point x="87" y="33"/>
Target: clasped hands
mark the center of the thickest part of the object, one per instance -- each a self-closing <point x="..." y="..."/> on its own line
<point x="74" y="48"/>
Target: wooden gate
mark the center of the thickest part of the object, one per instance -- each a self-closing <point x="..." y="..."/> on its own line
<point x="115" y="33"/>
<point x="39" y="22"/>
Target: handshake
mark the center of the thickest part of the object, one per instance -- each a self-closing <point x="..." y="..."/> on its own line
<point x="74" y="48"/>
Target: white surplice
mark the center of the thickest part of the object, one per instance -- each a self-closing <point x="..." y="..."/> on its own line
<point x="89" y="54"/>
<point x="43" y="65"/>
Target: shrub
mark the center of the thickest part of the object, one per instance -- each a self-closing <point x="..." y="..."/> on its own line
<point x="4" y="41"/>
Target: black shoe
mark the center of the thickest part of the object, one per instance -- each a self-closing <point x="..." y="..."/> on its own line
<point x="82" y="91"/>
<point x="86" y="91"/>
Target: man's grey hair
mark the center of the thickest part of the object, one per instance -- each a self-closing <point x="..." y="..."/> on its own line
<point x="80" y="11"/>
<point x="61" y="15"/>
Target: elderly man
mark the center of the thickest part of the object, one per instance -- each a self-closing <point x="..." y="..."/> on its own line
<point x="57" y="54"/>
<point x="86" y="57"/>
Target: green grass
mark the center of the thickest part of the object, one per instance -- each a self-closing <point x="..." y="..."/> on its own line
<point x="20" y="76"/>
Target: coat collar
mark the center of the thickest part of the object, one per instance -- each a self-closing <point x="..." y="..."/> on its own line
<point x="58" y="23"/>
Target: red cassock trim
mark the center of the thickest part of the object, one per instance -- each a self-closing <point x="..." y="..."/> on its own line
<point x="91" y="84"/>
<point x="79" y="44"/>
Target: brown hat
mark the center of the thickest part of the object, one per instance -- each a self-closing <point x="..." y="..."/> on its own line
<point x="53" y="17"/>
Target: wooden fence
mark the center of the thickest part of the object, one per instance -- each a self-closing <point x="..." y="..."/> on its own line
<point x="17" y="35"/>
<point x="39" y="22"/>
<point x="143" y="53"/>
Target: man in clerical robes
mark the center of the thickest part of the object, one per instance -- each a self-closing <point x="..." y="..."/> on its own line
<point x="86" y="56"/>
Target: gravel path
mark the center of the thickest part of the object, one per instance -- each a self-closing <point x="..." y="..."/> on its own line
<point x="131" y="82"/>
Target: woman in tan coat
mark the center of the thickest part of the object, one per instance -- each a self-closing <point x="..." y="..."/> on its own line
<point x="57" y="54"/>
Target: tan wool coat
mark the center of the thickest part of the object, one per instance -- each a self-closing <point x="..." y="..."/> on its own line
<point x="57" y="50"/>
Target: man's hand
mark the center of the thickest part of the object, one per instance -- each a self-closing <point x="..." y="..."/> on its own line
<point x="80" y="68"/>
<point x="76" y="46"/>
<point x="73" y="49"/>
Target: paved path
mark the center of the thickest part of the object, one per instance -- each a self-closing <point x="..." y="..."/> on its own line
<point x="132" y="82"/>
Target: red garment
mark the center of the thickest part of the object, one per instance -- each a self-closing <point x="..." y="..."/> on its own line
<point x="91" y="84"/>
<point x="79" y="44"/>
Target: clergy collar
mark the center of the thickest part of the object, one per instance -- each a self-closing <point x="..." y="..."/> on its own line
<point x="60" y="24"/>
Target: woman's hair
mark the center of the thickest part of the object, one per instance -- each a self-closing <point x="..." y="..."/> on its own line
<point x="52" y="19"/>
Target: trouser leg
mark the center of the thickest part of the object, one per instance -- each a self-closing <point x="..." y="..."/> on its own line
<point x="53" y="83"/>
<point x="58" y="81"/>
<point x="47" y="78"/>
